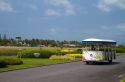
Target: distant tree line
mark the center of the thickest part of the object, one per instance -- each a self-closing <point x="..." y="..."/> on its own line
<point x="34" y="42"/>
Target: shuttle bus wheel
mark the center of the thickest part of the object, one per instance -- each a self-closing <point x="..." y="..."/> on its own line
<point x="87" y="62"/>
<point x="110" y="61"/>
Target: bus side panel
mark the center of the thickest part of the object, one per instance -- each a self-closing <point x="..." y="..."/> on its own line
<point x="93" y="55"/>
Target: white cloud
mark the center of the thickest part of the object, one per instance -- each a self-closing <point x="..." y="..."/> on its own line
<point x="106" y="5"/>
<point x="65" y="4"/>
<point x="103" y="7"/>
<point x="51" y="12"/>
<point x="4" y="6"/>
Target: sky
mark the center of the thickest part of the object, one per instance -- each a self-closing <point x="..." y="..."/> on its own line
<point x="63" y="19"/>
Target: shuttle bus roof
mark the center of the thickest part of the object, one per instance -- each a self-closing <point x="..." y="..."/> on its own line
<point x="99" y="41"/>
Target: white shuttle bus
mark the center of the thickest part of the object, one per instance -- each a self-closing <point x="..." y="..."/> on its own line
<point x="98" y="50"/>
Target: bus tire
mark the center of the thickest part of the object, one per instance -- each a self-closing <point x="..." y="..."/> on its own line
<point x="110" y="61"/>
<point x="87" y="63"/>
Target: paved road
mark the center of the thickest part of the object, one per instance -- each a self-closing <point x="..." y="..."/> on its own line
<point x="70" y="72"/>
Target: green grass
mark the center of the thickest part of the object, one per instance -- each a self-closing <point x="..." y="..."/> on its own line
<point x="122" y="81"/>
<point x="30" y="62"/>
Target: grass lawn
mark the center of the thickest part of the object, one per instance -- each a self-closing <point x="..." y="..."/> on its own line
<point x="30" y="62"/>
<point x="122" y="81"/>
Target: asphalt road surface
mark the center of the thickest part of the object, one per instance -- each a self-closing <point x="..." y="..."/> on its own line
<point x="69" y="72"/>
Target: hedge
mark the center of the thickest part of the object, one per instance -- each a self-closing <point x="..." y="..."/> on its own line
<point x="61" y="57"/>
<point x="44" y="53"/>
<point x="10" y="61"/>
<point x="13" y="61"/>
<point x="8" y="51"/>
<point x="2" y="63"/>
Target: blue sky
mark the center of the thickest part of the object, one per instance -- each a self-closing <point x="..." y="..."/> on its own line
<point x="63" y="19"/>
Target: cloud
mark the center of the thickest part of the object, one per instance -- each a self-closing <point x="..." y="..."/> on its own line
<point x="51" y="12"/>
<point x="62" y="5"/>
<point x="106" y="5"/>
<point x="4" y="6"/>
<point x="103" y="7"/>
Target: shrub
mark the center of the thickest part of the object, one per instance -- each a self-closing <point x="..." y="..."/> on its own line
<point x="8" y="51"/>
<point x="120" y="50"/>
<point x="55" y="57"/>
<point x="79" y="51"/>
<point x="67" y="51"/>
<point x="48" y="53"/>
<point x="122" y="80"/>
<point x="10" y="61"/>
<point x="13" y="61"/>
<point x="44" y="53"/>
<point x="117" y="48"/>
<point x="75" y="55"/>
<point x="2" y="63"/>
<point x="27" y="53"/>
